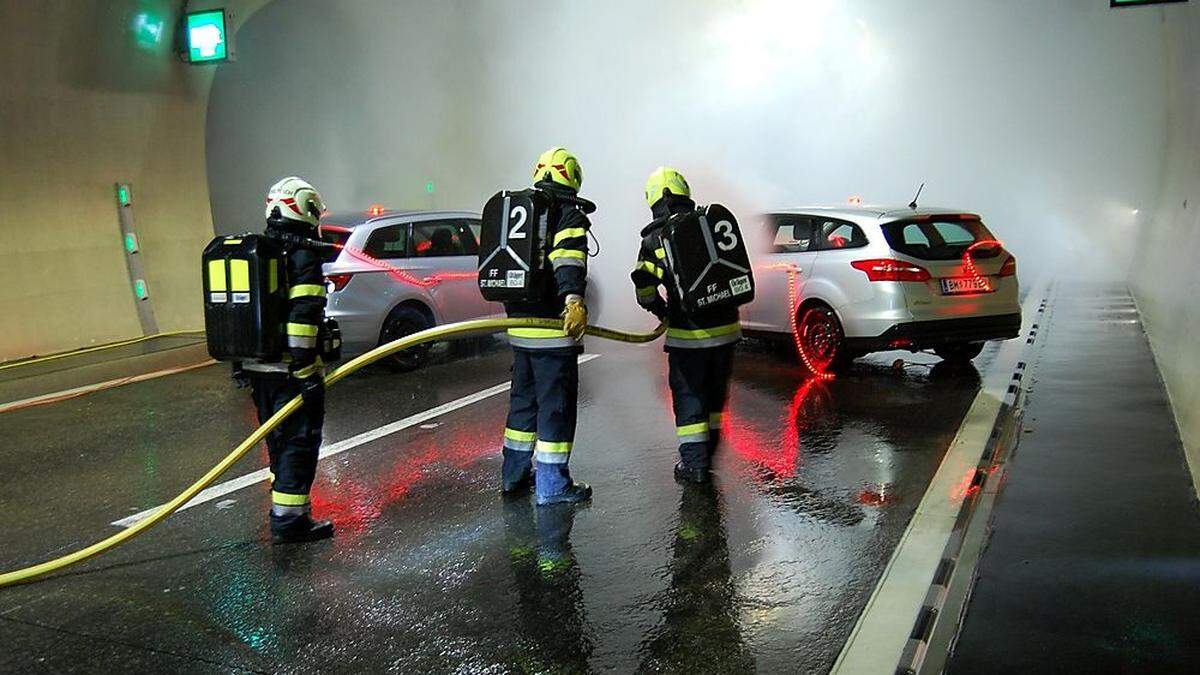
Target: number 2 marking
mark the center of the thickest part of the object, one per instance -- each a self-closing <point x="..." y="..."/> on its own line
<point x="520" y="215"/>
<point x="729" y="240"/>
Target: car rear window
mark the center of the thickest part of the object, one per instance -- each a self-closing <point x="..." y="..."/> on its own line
<point x="939" y="237"/>
<point x="335" y="234"/>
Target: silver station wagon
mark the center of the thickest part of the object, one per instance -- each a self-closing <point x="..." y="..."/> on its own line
<point x="401" y="272"/>
<point x="843" y="282"/>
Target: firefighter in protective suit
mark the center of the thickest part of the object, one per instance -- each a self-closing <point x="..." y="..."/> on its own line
<point x="293" y="212"/>
<point x="542" y="407"/>
<point x="699" y="346"/>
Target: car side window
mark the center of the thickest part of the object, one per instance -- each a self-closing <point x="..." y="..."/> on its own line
<point x="468" y="233"/>
<point x="832" y="235"/>
<point x="438" y="238"/>
<point x="388" y="242"/>
<point x="792" y="234"/>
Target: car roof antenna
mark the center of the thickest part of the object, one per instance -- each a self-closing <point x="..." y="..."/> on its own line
<point x="913" y="203"/>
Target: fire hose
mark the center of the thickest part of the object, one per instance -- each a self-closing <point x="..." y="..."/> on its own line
<point x="454" y="330"/>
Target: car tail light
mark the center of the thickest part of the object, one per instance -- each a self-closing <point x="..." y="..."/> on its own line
<point x="1009" y="268"/>
<point x="887" y="269"/>
<point x="338" y="281"/>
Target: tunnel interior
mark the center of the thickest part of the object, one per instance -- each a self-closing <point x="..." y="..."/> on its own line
<point x="997" y="471"/>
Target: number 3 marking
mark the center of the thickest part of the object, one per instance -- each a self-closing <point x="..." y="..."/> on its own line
<point x="520" y="215"/>
<point x="729" y="240"/>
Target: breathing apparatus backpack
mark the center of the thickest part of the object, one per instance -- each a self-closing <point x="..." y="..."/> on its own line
<point x="706" y="257"/>
<point x="246" y="302"/>
<point x="513" y="242"/>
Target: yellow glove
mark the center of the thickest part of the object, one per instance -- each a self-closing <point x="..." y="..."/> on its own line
<point x="575" y="317"/>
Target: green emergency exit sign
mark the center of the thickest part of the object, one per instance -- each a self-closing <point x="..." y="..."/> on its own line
<point x="206" y="36"/>
<point x="1131" y="3"/>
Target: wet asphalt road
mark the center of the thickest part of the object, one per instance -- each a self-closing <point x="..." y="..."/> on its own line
<point x="431" y="571"/>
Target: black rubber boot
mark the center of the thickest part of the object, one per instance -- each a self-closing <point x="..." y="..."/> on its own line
<point x="685" y="474"/>
<point x="300" y="530"/>
<point x="574" y="494"/>
<point x="518" y="487"/>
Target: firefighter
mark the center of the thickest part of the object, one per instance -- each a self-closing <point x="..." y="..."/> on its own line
<point x="542" y="406"/>
<point x="699" y="347"/>
<point x="293" y="211"/>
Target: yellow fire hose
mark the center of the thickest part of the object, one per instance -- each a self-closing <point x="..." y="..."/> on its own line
<point x="479" y="326"/>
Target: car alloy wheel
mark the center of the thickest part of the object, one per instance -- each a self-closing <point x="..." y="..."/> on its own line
<point x="406" y="321"/>
<point x="819" y="336"/>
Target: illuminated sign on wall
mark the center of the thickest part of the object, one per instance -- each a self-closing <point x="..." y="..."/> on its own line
<point x="206" y="36"/>
<point x="1131" y="3"/>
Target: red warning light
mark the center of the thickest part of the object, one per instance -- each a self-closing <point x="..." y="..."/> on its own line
<point x="854" y="200"/>
<point x="375" y="210"/>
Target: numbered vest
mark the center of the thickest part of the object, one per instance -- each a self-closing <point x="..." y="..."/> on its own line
<point x="707" y="258"/>
<point x="245" y="298"/>
<point x="512" y="255"/>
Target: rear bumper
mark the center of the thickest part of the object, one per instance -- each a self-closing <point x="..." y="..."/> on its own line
<point x="925" y="334"/>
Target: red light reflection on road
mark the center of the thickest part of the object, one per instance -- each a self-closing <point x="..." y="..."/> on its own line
<point x="354" y="504"/>
<point x="779" y="453"/>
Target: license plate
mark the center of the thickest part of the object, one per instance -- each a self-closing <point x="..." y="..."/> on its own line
<point x="966" y="285"/>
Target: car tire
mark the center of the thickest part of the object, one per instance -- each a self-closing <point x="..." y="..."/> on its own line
<point x="404" y="321"/>
<point x="959" y="351"/>
<point x="821" y="341"/>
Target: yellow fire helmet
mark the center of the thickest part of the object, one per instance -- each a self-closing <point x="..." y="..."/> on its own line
<point x="559" y="165"/>
<point x="664" y="180"/>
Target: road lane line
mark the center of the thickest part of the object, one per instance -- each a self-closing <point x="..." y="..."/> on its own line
<point x="879" y="638"/>
<point x="55" y="397"/>
<point x="222" y="489"/>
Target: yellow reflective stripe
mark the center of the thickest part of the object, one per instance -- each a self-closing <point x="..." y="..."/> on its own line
<point x="554" y="446"/>
<point x="569" y="233"/>
<point x="537" y="332"/>
<point x="566" y="253"/>
<point x="216" y="275"/>
<point x="302" y="330"/>
<point x="306" y="291"/>
<point x="650" y="267"/>
<point x="513" y="434"/>
<point x="660" y="253"/>
<point x="232" y="242"/>
<point x="703" y="333"/>
<point x="239" y="275"/>
<point x="309" y="370"/>
<point x="273" y="275"/>
<point x="646" y="291"/>
<point x="284" y="499"/>
<point x="690" y="429"/>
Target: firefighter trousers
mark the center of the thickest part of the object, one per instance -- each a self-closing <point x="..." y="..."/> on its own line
<point x="541" y="417"/>
<point x="293" y="447"/>
<point x="699" y="381"/>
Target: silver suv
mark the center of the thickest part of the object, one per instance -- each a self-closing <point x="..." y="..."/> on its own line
<point x="401" y="272"/>
<point x="847" y="281"/>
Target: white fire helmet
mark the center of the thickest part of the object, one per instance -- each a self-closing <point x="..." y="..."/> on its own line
<point x="296" y="200"/>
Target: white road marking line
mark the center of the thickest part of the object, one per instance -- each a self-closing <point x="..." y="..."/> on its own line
<point x="222" y="489"/>
<point x="877" y="642"/>
<point x="99" y="386"/>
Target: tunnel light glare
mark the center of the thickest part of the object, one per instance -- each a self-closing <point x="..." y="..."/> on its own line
<point x="767" y="43"/>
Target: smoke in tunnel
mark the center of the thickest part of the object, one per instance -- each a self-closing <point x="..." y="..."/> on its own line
<point x="1047" y="118"/>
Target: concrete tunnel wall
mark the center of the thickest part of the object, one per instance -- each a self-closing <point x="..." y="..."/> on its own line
<point x="84" y="104"/>
<point x="1164" y="277"/>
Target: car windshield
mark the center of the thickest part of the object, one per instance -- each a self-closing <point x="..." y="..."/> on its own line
<point x="939" y="237"/>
